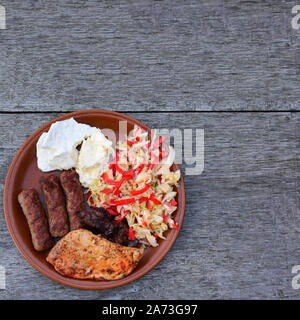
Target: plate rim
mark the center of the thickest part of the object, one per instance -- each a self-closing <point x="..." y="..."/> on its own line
<point x="78" y="283"/>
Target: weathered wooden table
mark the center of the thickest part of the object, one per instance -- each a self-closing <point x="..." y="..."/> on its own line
<point x="231" y="68"/>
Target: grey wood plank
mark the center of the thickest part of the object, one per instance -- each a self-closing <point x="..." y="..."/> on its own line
<point x="149" y="55"/>
<point x="240" y="236"/>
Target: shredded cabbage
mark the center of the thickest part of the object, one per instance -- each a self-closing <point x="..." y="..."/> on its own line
<point x="150" y="214"/>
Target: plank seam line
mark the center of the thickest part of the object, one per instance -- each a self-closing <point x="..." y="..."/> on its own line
<point x="156" y="111"/>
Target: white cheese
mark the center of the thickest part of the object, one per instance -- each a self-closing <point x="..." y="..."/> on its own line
<point x="56" y="149"/>
<point x="93" y="158"/>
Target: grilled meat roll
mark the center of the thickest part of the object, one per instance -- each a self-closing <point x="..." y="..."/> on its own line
<point x="55" y="201"/>
<point x="36" y="218"/>
<point x="74" y="197"/>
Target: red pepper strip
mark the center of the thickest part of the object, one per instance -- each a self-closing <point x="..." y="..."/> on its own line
<point x="173" y="203"/>
<point x="145" y="223"/>
<point x="112" y="212"/>
<point x="107" y="180"/>
<point x="175" y="226"/>
<point x="140" y="168"/>
<point x="142" y="199"/>
<point x="107" y="190"/>
<point x="120" y="219"/>
<point x="158" y="142"/>
<point x="163" y="154"/>
<point x="122" y="202"/>
<point x="119" y="185"/>
<point x="154" y="200"/>
<point x="149" y="205"/>
<point x="128" y="174"/>
<point x="151" y="166"/>
<point x="130" y="143"/>
<point x="116" y="160"/>
<point x="131" y="233"/>
<point x="165" y="217"/>
<point x="119" y="169"/>
<point x="138" y="192"/>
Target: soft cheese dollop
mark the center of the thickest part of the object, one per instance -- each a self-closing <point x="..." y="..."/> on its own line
<point x="56" y="149"/>
<point x="93" y="158"/>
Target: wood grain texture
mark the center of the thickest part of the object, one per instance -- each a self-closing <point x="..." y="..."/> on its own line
<point x="241" y="232"/>
<point x="161" y="61"/>
<point x="143" y="55"/>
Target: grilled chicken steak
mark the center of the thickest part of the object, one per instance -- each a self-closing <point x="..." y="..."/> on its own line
<point x="82" y="255"/>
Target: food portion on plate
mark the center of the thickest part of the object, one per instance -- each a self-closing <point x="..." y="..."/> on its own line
<point x="84" y="255"/>
<point x="37" y="222"/>
<point x="139" y="186"/>
<point x="93" y="158"/>
<point x="56" y="149"/>
<point x="55" y="203"/>
<point x="103" y="206"/>
<point x="74" y="197"/>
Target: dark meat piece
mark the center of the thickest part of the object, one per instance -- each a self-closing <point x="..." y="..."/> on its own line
<point x="121" y="235"/>
<point x="74" y="194"/>
<point x="106" y="213"/>
<point x="134" y="243"/>
<point x="57" y="214"/>
<point x="100" y="221"/>
<point x="35" y="215"/>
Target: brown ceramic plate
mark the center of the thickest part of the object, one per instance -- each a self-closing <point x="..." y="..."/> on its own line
<point x="23" y="173"/>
